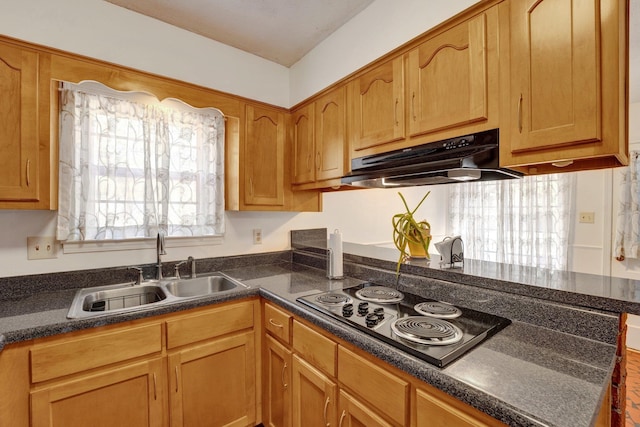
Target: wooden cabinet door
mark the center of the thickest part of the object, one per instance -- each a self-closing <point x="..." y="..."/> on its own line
<point x="555" y="80"/>
<point x="131" y="396"/>
<point x="18" y="124"/>
<point x="355" y="414"/>
<point x="303" y="145"/>
<point x="448" y="77"/>
<point x="277" y="387"/>
<point x="376" y="102"/>
<point x="214" y="384"/>
<point x="264" y="157"/>
<point x="330" y="134"/>
<point x="314" y="396"/>
<point x="434" y="412"/>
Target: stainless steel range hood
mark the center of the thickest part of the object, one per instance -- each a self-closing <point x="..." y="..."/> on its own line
<point x="466" y="158"/>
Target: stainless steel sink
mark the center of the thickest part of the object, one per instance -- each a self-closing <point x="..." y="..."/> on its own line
<point x="200" y="286"/>
<point x="124" y="297"/>
<point x="115" y="298"/>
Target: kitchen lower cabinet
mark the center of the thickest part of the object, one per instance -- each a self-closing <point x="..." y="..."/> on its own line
<point x="354" y="413"/>
<point x="131" y="395"/>
<point x="213" y="384"/>
<point x="314" y="396"/>
<point x="432" y="411"/>
<point x="277" y="387"/>
<point x="195" y="368"/>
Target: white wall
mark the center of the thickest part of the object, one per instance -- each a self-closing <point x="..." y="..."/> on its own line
<point x="381" y="27"/>
<point x="82" y="26"/>
<point x="99" y="29"/>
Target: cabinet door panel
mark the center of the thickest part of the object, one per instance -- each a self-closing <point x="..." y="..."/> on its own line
<point x="555" y="88"/>
<point x="303" y="146"/>
<point x="355" y="414"/>
<point x="214" y="384"/>
<point x="377" y="105"/>
<point x="277" y="385"/>
<point x="314" y="396"/>
<point x="434" y="412"/>
<point x="330" y="135"/>
<point x="448" y="79"/>
<point x="130" y="396"/>
<point x="264" y="154"/>
<point x="18" y="124"/>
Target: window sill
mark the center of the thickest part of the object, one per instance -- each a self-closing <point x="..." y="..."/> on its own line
<point x="135" y="244"/>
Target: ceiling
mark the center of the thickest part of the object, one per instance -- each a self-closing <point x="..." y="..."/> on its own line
<point x="283" y="31"/>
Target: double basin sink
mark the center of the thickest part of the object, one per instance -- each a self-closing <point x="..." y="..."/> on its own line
<point x="91" y="302"/>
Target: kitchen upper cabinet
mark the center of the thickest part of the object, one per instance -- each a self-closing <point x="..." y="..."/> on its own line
<point x="263" y="157"/>
<point x="453" y="80"/>
<point x="377" y="107"/>
<point x="25" y="181"/>
<point x="302" y="121"/>
<point x="330" y="134"/>
<point x="314" y="396"/>
<point x="319" y="140"/>
<point x="565" y="92"/>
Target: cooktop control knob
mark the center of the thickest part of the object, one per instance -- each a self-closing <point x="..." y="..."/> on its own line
<point x="371" y="320"/>
<point x="347" y="310"/>
<point x="379" y="311"/>
<point x="363" y="308"/>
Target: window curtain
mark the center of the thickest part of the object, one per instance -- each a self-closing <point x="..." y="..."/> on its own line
<point x="131" y="166"/>
<point x="627" y="243"/>
<point x="522" y="221"/>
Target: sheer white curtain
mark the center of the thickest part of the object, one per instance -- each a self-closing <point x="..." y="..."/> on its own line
<point x="522" y="221"/>
<point x="131" y="166"/>
<point x="627" y="244"/>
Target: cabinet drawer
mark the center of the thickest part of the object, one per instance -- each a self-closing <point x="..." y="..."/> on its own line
<point x="277" y="323"/>
<point x="315" y="348"/>
<point x="384" y="391"/>
<point x="70" y="356"/>
<point x="209" y="324"/>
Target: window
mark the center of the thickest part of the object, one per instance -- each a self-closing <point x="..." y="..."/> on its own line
<point x="522" y="221"/>
<point x="131" y="166"/>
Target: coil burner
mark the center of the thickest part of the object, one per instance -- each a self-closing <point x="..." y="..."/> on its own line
<point x="427" y="330"/>
<point x="379" y="294"/>
<point x="440" y="310"/>
<point x="333" y="299"/>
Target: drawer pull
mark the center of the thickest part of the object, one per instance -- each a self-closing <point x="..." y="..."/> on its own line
<point x="276" y="324"/>
<point x="324" y="413"/>
<point x="344" y="414"/>
<point x="284" y="368"/>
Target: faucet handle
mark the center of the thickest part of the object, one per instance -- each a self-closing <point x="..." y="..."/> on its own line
<point x="176" y="269"/>
<point x="140" y="277"/>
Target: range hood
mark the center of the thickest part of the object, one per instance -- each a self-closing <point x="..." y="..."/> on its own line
<point x="472" y="157"/>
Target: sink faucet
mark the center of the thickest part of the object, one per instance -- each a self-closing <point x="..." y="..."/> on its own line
<point x="160" y="251"/>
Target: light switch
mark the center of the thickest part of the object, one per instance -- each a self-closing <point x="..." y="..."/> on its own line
<point x="587" y="217"/>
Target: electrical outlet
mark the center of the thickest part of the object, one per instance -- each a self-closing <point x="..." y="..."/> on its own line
<point x="587" y="217"/>
<point x="257" y="236"/>
<point x="41" y="247"/>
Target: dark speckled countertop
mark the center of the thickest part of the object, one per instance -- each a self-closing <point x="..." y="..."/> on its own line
<point x="550" y="367"/>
